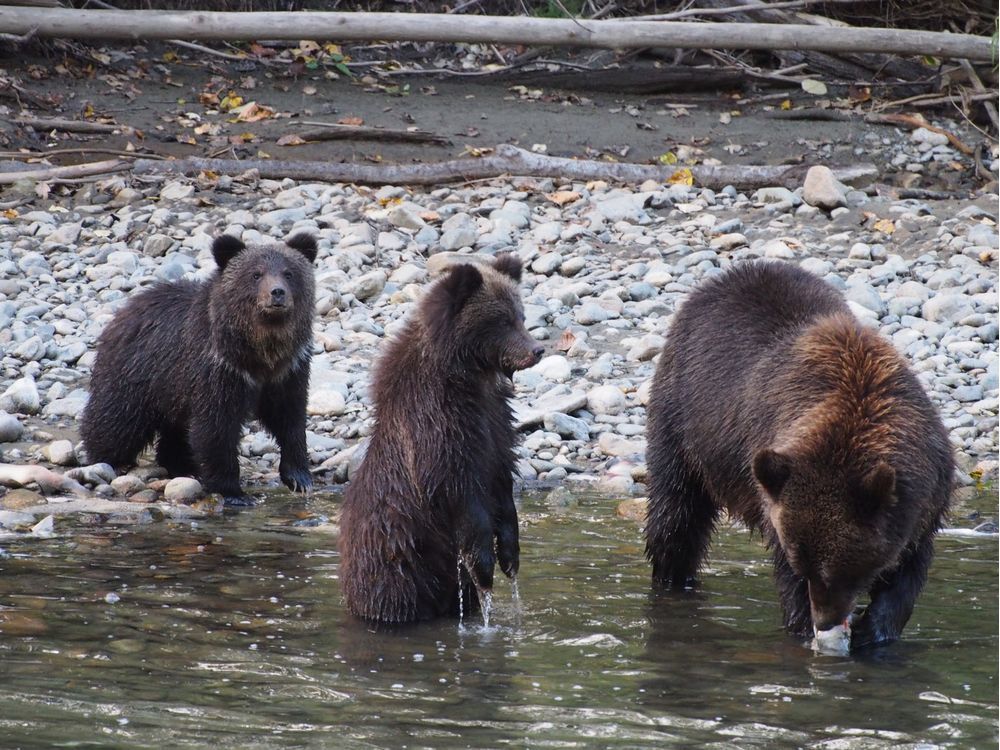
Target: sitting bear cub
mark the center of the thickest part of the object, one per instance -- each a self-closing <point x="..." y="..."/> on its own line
<point x="436" y="484"/>
<point x="772" y="401"/>
<point x="188" y="363"/>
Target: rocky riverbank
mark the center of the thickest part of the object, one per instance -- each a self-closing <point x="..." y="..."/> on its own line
<point x="605" y="268"/>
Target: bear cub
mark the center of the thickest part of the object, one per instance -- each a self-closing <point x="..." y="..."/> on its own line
<point x="436" y="484"/>
<point x="187" y="363"/>
<point x="772" y="401"/>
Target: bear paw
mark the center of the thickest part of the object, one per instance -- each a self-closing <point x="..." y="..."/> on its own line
<point x="239" y="501"/>
<point x="297" y="480"/>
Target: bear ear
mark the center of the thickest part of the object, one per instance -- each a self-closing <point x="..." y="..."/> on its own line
<point x="772" y="470"/>
<point x="462" y="281"/>
<point x="509" y="264"/>
<point x="225" y="248"/>
<point x="305" y="243"/>
<point x="878" y="488"/>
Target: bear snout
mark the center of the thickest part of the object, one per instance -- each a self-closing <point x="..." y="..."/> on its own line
<point x="278" y="296"/>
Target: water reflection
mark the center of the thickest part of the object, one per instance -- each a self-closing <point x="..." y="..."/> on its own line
<point x="233" y="633"/>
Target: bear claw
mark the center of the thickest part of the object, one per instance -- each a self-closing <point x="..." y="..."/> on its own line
<point x="238" y="501"/>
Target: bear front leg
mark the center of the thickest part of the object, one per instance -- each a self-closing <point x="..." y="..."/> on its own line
<point x="282" y="412"/>
<point x="476" y="544"/>
<point x="506" y="531"/>
<point x="793" y="590"/>
<point x="892" y="598"/>
<point x="214" y="447"/>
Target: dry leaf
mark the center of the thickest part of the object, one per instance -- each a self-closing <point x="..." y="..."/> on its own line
<point x="566" y="341"/>
<point x="562" y="197"/>
<point x="886" y="226"/>
<point x="786" y="105"/>
<point x="251" y="112"/>
<point x="812" y="86"/>
<point x="230" y="101"/>
<point x="430" y="216"/>
<point x="355" y="121"/>
<point x="681" y="177"/>
<point x="188" y="139"/>
<point x="10" y="213"/>
<point x="290" y="139"/>
<point x="668" y="159"/>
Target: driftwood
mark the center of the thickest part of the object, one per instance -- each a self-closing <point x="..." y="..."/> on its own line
<point x="48" y="481"/>
<point x="442" y="27"/>
<point x="624" y="81"/>
<point x="72" y="126"/>
<point x="330" y="131"/>
<point x="507" y="160"/>
<point x="77" y="170"/>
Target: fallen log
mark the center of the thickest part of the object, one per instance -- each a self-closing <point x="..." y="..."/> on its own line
<point x="330" y="131"/>
<point x="507" y="160"/>
<point x="442" y="27"/>
<point x="76" y="170"/>
<point x="72" y="126"/>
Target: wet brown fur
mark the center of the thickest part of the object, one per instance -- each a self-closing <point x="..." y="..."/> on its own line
<point x="771" y="400"/>
<point x="436" y="482"/>
<point x="188" y="363"/>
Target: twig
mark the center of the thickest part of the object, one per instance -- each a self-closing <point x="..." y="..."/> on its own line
<point x="747" y="8"/>
<point x="209" y="50"/>
<point x="932" y="100"/>
<point x="914" y="122"/>
<point x="977" y="84"/>
<point x="18" y="39"/>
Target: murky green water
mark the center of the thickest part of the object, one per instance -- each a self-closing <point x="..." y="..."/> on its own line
<point x="232" y="634"/>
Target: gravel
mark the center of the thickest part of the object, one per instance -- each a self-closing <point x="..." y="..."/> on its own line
<point x="603" y="274"/>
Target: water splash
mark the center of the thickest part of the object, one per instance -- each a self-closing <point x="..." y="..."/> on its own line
<point x="461" y="608"/>
<point x="486" y="604"/>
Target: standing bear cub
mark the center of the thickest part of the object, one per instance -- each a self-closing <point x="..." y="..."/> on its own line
<point x="434" y="494"/>
<point x="771" y="400"/>
<point x="188" y="363"/>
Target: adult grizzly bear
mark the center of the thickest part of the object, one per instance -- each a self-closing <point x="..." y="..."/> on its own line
<point x="189" y="362"/>
<point x="771" y="400"/>
<point x="436" y="484"/>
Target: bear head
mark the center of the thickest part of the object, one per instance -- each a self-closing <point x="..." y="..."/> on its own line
<point x="266" y="284"/>
<point x="475" y="315"/>
<point x="835" y="523"/>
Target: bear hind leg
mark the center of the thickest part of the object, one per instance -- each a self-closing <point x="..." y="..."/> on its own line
<point x="173" y="452"/>
<point x="681" y="514"/>
<point x="116" y="432"/>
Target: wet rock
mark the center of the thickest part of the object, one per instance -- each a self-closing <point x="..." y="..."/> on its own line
<point x="633" y="509"/>
<point x="21" y="397"/>
<point x="11" y="428"/>
<point x="21" y="498"/>
<point x="93" y="475"/>
<point x="606" y="399"/>
<point x="182" y="490"/>
<point x="128" y="484"/>
<point x="821" y="189"/>
<point x="60" y="453"/>
<point x="566" y="426"/>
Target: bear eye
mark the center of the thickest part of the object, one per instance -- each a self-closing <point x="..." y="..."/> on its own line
<point x="288" y="275"/>
<point x="257" y="275"/>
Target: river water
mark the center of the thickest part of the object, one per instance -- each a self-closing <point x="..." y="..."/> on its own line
<point x="231" y="633"/>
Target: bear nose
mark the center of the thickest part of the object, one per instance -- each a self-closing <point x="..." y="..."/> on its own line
<point x="278" y="295"/>
<point x="538" y="351"/>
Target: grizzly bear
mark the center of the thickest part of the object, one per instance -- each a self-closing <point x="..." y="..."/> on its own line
<point x="434" y="493"/>
<point x="189" y="362"/>
<point x="772" y="401"/>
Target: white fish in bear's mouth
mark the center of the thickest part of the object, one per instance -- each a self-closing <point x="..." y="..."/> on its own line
<point x="833" y="642"/>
